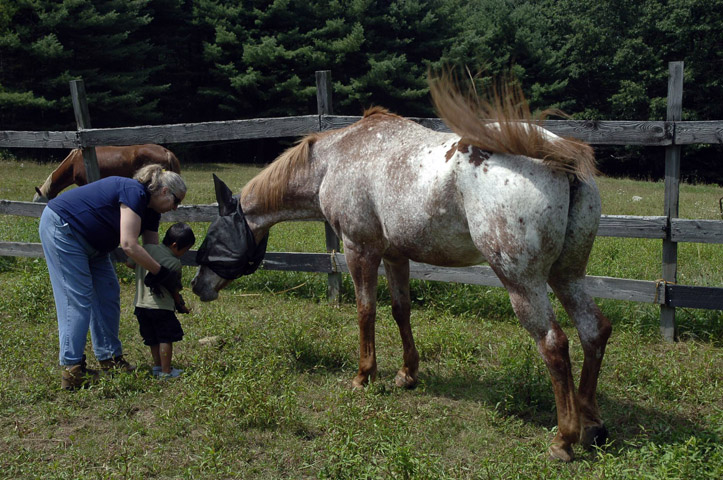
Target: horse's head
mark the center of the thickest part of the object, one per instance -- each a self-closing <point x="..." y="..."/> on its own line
<point x="229" y="250"/>
<point x="39" y="197"/>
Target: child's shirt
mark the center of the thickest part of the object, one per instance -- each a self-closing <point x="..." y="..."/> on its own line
<point x="144" y="297"/>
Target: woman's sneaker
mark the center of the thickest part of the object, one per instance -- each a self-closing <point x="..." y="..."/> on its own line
<point x="78" y="375"/>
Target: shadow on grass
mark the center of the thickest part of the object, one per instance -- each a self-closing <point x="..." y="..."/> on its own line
<point x="515" y="388"/>
<point x="626" y="421"/>
<point x="705" y="326"/>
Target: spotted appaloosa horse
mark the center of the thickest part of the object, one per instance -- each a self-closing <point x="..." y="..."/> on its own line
<point x="118" y="161"/>
<point x="507" y="192"/>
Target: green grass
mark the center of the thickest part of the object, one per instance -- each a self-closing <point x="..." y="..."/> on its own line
<point x="272" y="398"/>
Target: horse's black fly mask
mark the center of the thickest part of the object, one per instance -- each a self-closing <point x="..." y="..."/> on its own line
<point x="229" y="248"/>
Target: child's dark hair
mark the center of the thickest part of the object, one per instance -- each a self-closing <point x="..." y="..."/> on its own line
<point x="180" y="234"/>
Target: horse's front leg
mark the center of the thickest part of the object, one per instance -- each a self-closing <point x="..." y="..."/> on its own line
<point x="364" y="269"/>
<point x="398" y="278"/>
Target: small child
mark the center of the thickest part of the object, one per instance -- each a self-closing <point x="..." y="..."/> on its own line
<point x="157" y="321"/>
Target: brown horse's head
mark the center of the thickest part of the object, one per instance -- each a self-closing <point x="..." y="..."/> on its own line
<point x="39" y="197"/>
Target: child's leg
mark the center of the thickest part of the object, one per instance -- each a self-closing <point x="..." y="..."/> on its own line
<point x="148" y="332"/>
<point x="165" y="353"/>
<point x="156" y="354"/>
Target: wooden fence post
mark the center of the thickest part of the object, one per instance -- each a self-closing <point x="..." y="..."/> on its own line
<point x="672" y="194"/>
<point x="324" y="107"/>
<point x="82" y="119"/>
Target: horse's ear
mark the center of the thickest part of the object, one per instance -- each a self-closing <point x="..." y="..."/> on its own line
<point x="224" y="197"/>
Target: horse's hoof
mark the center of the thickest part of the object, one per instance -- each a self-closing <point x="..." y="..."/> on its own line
<point x="564" y="454"/>
<point x="361" y="381"/>
<point x="594" y="436"/>
<point x="404" y="380"/>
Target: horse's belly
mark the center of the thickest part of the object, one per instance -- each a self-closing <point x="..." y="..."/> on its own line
<point x="442" y="240"/>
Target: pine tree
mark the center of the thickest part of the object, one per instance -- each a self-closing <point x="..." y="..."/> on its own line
<point x="47" y="43"/>
<point x="262" y="56"/>
<point x="177" y="53"/>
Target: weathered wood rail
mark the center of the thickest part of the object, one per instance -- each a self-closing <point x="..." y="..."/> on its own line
<point x="603" y="132"/>
<point x="653" y="227"/>
<point x="670" y="135"/>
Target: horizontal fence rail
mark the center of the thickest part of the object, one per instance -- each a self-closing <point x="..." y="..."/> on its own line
<point x="628" y="226"/>
<point x="645" y="291"/>
<point x="603" y="132"/>
<point x="602" y="287"/>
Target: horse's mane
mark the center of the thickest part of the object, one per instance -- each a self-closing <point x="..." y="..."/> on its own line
<point x="270" y="185"/>
<point x="501" y="121"/>
<point x="376" y="109"/>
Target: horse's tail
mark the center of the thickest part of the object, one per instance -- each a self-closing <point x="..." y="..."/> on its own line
<point x="270" y="185"/>
<point x="501" y="122"/>
<point x="173" y="164"/>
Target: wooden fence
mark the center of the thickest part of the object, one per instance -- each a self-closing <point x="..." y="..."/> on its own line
<point x="669" y="135"/>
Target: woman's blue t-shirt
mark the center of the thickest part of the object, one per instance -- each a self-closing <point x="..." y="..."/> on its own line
<point x="93" y="210"/>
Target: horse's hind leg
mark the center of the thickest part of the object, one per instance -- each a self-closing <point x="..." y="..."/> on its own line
<point x="532" y="307"/>
<point x="398" y="279"/>
<point x="567" y="279"/>
<point x="594" y="330"/>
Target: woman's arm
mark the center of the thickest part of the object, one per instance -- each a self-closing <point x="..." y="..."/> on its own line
<point x="130" y="227"/>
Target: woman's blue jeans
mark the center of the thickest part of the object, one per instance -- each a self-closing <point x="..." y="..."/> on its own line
<point x="86" y="291"/>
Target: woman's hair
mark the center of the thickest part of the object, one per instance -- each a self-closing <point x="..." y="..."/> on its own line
<point x="155" y="177"/>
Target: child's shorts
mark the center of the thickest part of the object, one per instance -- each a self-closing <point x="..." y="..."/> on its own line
<point x="158" y="326"/>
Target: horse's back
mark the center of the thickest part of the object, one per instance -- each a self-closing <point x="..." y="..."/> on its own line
<point x="125" y="161"/>
<point x="437" y="200"/>
<point x="152" y="153"/>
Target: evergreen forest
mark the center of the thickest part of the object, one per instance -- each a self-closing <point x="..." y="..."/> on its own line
<point x="176" y="61"/>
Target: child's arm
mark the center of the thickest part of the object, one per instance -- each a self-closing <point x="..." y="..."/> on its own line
<point x="180" y="304"/>
<point x="177" y="298"/>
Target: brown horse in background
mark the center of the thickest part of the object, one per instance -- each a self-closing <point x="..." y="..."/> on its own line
<point x="112" y="161"/>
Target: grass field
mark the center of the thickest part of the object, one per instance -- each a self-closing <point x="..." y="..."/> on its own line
<point x="271" y="398"/>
